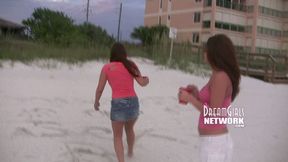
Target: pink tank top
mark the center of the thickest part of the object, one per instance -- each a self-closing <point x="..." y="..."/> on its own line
<point x="204" y="96"/>
<point x="120" y="80"/>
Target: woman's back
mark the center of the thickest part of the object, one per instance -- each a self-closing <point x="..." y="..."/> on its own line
<point x="120" y="80"/>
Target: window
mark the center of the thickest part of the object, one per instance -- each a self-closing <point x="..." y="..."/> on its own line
<point x="206" y="24"/>
<point x="220" y="3"/>
<point x="160" y="3"/>
<point x="235" y="5"/>
<point x="159" y="20"/>
<point x="278" y="34"/>
<point x="261" y="30"/>
<point x="218" y="25"/>
<point x="234" y="27"/>
<point x="207" y="3"/>
<point x="195" y="38"/>
<point x="270" y="32"/>
<point x="169" y="17"/>
<point x="227" y="3"/>
<point x="265" y="10"/>
<point x="198" y="0"/>
<point x="273" y="32"/>
<point x="271" y="12"/>
<point x="285" y="14"/>
<point x="265" y="31"/>
<point x="197" y="17"/>
<point x="285" y="33"/>
<point x="248" y="29"/>
<point x="241" y="29"/>
<point x="250" y="9"/>
<point x="226" y="26"/>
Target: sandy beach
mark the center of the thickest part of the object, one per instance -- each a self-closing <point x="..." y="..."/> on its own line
<point x="47" y="115"/>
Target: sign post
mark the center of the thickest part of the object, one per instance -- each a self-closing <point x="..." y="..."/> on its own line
<point x="172" y="36"/>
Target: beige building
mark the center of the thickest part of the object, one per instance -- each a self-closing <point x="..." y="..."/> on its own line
<point x="253" y="25"/>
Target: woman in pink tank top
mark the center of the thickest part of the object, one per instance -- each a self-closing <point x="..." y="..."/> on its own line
<point x="219" y="92"/>
<point x="120" y="74"/>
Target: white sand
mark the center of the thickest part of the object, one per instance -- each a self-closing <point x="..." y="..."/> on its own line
<point x="47" y="115"/>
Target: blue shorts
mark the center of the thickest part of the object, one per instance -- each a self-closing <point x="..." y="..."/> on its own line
<point x="124" y="109"/>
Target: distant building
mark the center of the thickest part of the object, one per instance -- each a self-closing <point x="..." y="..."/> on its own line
<point x="8" y="27"/>
<point x="259" y="26"/>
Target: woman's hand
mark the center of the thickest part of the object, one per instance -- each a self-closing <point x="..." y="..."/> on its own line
<point x="192" y="89"/>
<point x="142" y="80"/>
<point x="96" y="105"/>
<point x="184" y="96"/>
<point x="188" y="97"/>
<point x="146" y="79"/>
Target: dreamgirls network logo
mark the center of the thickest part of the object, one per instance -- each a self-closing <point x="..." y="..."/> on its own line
<point x="230" y="116"/>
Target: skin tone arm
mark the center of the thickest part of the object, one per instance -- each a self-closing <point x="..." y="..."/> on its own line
<point x="142" y="80"/>
<point x="218" y="88"/>
<point x="99" y="90"/>
<point x="187" y="97"/>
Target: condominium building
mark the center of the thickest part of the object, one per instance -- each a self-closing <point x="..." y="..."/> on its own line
<point x="259" y="26"/>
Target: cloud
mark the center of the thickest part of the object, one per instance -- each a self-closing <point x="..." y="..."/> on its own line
<point x="100" y="6"/>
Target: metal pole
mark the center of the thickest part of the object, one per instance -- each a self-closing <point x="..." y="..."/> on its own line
<point x="87" y="11"/>
<point x="171" y="50"/>
<point x="119" y="23"/>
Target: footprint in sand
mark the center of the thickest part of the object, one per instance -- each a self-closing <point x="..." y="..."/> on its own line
<point x="105" y="113"/>
<point x="41" y="122"/>
<point x="80" y="151"/>
<point x="143" y="133"/>
<point x="89" y="112"/>
<point x="54" y="132"/>
<point x="21" y="131"/>
<point x="163" y="137"/>
<point x="99" y="132"/>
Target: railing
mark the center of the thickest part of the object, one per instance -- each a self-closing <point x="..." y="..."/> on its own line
<point x="267" y="67"/>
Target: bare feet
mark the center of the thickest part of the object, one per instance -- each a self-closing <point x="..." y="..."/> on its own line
<point x="130" y="154"/>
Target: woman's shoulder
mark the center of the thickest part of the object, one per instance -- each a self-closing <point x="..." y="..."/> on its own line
<point x="220" y="73"/>
<point x="221" y="76"/>
<point x="111" y="64"/>
<point x="106" y="66"/>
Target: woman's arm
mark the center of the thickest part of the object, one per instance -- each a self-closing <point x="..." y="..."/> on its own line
<point x="99" y="90"/>
<point x="218" y="88"/>
<point x="187" y="97"/>
<point x="142" y="80"/>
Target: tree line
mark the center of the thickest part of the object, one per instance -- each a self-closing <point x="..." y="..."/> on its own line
<point x="55" y="27"/>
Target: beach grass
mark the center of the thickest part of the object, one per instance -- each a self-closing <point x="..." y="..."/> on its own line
<point x="185" y="57"/>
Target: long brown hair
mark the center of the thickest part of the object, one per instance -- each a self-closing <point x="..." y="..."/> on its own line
<point x="119" y="54"/>
<point x="221" y="56"/>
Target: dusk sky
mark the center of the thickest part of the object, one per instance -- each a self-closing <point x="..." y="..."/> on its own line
<point x="102" y="12"/>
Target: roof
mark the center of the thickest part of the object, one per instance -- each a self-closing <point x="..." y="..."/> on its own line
<point x="9" y="24"/>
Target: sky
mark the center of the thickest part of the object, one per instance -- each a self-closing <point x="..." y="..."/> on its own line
<point x="104" y="13"/>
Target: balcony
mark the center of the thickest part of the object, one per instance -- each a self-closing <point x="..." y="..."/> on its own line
<point x="234" y="6"/>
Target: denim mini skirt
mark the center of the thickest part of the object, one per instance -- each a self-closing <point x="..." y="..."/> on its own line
<point x="124" y="109"/>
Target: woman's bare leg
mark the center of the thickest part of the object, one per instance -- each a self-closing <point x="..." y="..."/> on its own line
<point x="118" y="143"/>
<point x="129" y="129"/>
